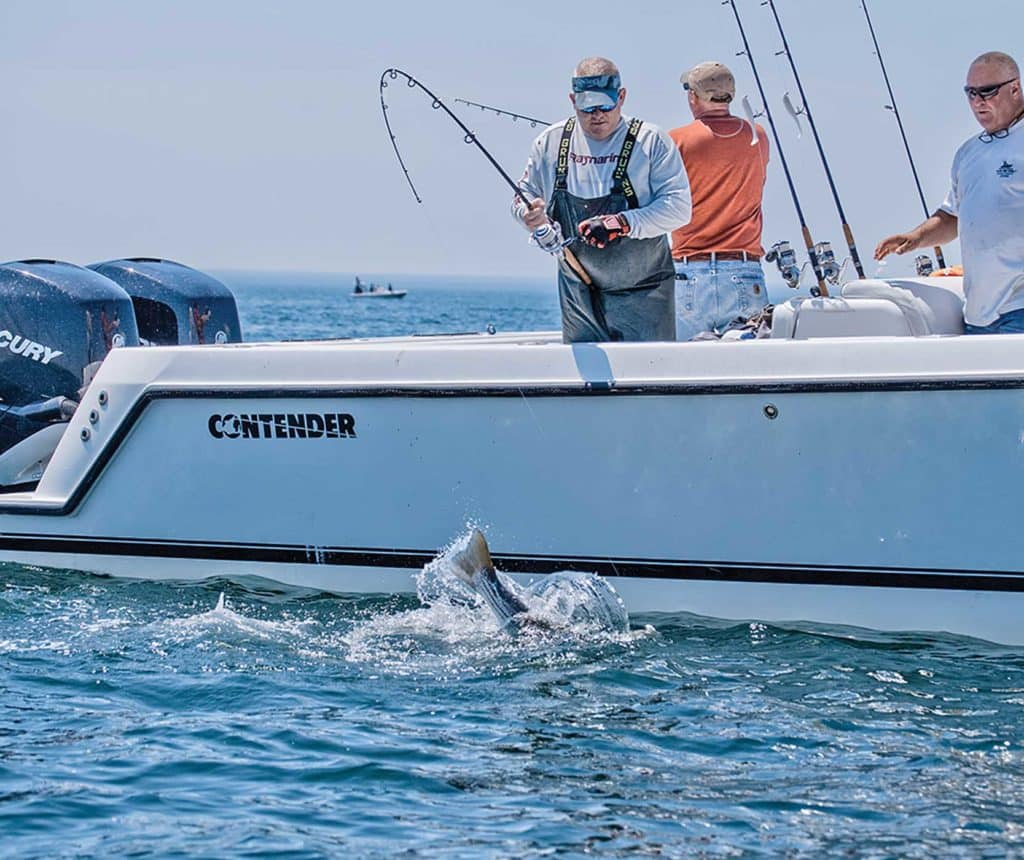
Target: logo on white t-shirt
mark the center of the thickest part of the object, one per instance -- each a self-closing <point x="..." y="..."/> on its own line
<point x="1006" y="170"/>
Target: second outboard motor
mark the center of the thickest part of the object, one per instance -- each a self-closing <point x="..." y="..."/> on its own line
<point x="175" y="304"/>
<point x="58" y="321"/>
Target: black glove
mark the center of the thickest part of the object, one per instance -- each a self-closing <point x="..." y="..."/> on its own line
<point x="603" y="229"/>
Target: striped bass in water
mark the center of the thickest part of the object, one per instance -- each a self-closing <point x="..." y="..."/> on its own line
<point x="558" y="600"/>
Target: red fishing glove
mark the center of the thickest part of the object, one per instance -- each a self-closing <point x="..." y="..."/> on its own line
<point x="603" y="229"/>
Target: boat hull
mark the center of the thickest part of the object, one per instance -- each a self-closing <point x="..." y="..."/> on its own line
<point x="741" y="488"/>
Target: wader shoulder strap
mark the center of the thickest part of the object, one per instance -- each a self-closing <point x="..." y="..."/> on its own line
<point x="562" y="165"/>
<point x="620" y="179"/>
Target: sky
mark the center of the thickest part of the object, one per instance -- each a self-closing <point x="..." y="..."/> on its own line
<point x="245" y="134"/>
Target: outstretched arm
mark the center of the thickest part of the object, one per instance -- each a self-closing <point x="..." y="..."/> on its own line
<point x="937" y="230"/>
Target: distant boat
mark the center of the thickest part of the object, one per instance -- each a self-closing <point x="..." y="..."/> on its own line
<point x="376" y="291"/>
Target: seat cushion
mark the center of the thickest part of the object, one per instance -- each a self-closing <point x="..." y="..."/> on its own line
<point x="939" y="300"/>
<point x="803" y="318"/>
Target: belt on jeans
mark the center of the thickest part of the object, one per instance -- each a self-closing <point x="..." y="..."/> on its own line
<point x="720" y="255"/>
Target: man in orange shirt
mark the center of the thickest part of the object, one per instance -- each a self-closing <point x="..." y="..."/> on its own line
<point x="718" y="254"/>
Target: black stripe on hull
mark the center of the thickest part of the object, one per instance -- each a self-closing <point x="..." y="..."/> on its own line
<point x="629" y="568"/>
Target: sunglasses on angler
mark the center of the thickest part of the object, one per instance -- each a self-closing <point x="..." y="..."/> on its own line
<point x="601" y="108"/>
<point x="987" y="92"/>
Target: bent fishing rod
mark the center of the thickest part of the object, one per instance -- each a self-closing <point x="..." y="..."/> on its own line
<point x="437" y="104"/>
<point x="899" y="121"/>
<point x="847" y="232"/>
<point x="559" y="247"/>
<point x="780" y="250"/>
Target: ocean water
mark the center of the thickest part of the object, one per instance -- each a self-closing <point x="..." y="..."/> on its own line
<point x="246" y="718"/>
<point x="304" y="306"/>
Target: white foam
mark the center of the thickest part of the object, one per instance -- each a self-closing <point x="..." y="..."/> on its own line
<point x="454" y="632"/>
<point x="224" y="621"/>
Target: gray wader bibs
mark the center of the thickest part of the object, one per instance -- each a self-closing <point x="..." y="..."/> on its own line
<point x="633" y="294"/>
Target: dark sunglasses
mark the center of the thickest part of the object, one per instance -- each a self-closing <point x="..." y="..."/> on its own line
<point x="602" y="108"/>
<point x="986" y="92"/>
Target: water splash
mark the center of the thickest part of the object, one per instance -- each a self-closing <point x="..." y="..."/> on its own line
<point x="225" y="624"/>
<point x="581" y="602"/>
<point x="454" y="631"/>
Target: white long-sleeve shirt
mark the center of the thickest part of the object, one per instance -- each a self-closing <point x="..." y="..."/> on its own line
<point x="655" y="170"/>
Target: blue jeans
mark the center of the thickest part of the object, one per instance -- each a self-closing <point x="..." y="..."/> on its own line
<point x="710" y="295"/>
<point x="1009" y="323"/>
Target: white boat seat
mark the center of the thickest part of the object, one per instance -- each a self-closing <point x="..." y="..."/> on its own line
<point x="24" y="463"/>
<point x="944" y="298"/>
<point x="802" y="318"/>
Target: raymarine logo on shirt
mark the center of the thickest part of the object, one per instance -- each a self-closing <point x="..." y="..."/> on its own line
<point x="592" y="159"/>
<point x="27" y="348"/>
<point x="279" y="425"/>
<point x="1006" y="170"/>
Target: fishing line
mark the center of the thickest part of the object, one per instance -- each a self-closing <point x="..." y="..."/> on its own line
<point x="903" y="133"/>
<point x="847" y="232"/>
<point x="781" y="251"/>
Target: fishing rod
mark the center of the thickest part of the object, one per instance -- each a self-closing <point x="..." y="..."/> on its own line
<point x="781" y="252"/>
<point x="533" y="121"/>
<point x="847" y="232"/>
<point x="546" y="236"/>
<point x="393" y="74"/>
<point x="903" y="133"/>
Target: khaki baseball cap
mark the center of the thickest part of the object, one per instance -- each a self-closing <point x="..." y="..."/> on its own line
<point x="710" y="81"/>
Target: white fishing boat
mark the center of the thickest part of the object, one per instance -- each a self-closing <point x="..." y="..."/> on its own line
<point x="863" y="465"/>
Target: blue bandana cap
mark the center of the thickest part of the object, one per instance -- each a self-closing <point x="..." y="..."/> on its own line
<point x="594" y="91"/>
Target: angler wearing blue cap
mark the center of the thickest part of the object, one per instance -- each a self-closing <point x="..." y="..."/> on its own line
<point x="615" y="186"/>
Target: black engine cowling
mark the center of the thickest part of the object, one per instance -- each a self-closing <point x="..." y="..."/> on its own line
<point x="175" y="304"/>
<point x="58" y="321"/>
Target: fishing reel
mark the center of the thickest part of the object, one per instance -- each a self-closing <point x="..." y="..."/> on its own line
<point x="924" y="265"/>
<point x="783" y="255"/>
<point x="548" y="237"/>
<point x="828" y="269"/>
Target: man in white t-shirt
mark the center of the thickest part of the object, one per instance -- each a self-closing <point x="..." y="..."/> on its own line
<point x="615" y="186"/>
<point x="985" y="204"/>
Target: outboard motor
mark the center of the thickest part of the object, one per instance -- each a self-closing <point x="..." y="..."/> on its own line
<point x="175" y="304"/>
<point x="58" y="321"/>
